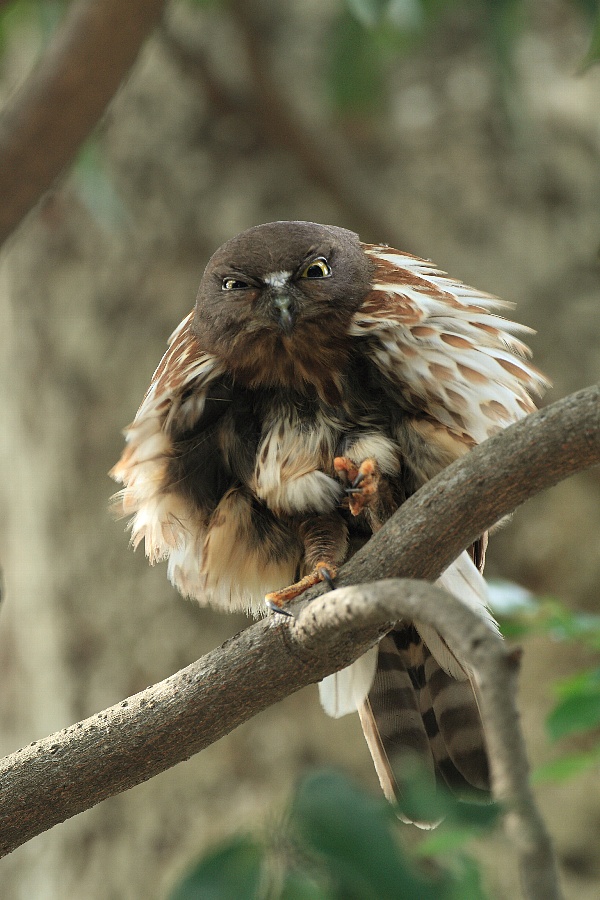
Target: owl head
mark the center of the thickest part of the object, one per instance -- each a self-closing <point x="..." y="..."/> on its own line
<point x="277" y="297"/>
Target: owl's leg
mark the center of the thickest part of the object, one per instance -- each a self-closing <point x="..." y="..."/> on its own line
<point x="325" y="540"/>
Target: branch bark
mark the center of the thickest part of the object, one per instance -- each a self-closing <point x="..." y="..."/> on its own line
<point x="45" y="122"/>
<point x="55" y="778"/>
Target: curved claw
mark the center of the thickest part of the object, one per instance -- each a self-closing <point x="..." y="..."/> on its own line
<point x="278" y="609"/>
<point x="359" y="478"/>
<point x="327" y="577"/>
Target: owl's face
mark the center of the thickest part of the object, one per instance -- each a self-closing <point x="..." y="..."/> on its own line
<point x="288" y="286"/>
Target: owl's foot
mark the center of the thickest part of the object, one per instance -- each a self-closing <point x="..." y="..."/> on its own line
<point x="276" y="600"/>
<point x="362" y="482"/>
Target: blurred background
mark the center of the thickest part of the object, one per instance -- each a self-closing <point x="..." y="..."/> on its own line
<point x="466" y="131"/>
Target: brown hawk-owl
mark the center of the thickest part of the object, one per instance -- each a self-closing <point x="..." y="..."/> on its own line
<point x="316" y="385"/>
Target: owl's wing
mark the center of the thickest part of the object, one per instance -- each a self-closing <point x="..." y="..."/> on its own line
<point x="460" y="373"/>
<point x="178" y="399"/>
<point x="443" y="349"/>
<point x="420" y="706"/>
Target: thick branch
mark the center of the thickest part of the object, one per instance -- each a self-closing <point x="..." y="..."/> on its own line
<point x="45" y="122"/>
<point x="62" y="775"/>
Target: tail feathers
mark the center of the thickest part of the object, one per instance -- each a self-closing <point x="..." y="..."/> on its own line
<point x="453" y="722"/>
<point x="465" y="581"/>
<point x="343" y="692"/>
<point x="417" y="702"/>
<point x="394" y="727"/>
<point x="416" y="711"/>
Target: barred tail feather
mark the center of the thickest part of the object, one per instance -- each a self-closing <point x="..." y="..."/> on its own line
<point x="393" y="723"/>
<point x="417" y="713"/>
<point x="417" y="702"/>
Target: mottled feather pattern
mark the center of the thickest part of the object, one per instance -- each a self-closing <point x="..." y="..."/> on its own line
<point x="440" y="342"/>
<point x="309" y="353"/>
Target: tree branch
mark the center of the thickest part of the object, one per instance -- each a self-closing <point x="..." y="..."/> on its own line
<point x="495" y="667"/>
<point x="60" y="776"/>
<point x="45" y="122"/>
<point x="491" y="481"/>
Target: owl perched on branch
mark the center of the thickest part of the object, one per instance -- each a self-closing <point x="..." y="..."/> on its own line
<point x="317" y="384"/>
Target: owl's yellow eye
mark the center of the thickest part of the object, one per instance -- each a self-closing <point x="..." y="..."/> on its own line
<point x="234" y="284"/>
<point x="318" y="268"/>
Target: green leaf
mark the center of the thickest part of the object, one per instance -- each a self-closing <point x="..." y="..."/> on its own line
<point x="593" y="52"/>
<point x="403" y="14"/>
<point x="514" y="630"/>
<point x="567" y="766"/>
<point x="300" y="886"/>
<point x="233" y="870"/>
<point x="462" y="823"/>
<point x="467" y="885"/>
<point x="554" y="619"/>
<point x="445" y="840"/>
<point x="44" y="16"/>
<point x="362" y="46"/>
<point x="355" y="71"/>
<point x="564" y="624"/>
<point x="352" y="833"/>
<point x="578" y="712"/>
<point x="584" y="682"/>
<point x="367" y="12"/>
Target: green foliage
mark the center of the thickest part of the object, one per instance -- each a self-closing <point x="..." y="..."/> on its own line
<point x="550" y="617"/>
<point x="567" y="766"/>
<point x="369" y="35"/>
<point x="503" y="20"/>
<point x="42" y="17"/>
<point x="579" y="706"/>
<point x="233" y="870"/>
<point x="592" y="7"/>
<point x="340" y="843"/>
<point x="363" y="43"/>
<point x="577" y="710"/>
<point x="367" y="38"/>
<point x="351" y="834"/>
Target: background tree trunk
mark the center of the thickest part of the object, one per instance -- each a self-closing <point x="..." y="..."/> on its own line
<point x="92" y="285"/>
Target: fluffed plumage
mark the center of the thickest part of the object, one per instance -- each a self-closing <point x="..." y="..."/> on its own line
<point x="318" y="383"/>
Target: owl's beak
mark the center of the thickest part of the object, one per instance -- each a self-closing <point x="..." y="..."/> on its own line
<point x="285" y="313"/>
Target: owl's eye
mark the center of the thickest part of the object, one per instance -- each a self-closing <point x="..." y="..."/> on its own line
<point x="318" y="268"/>
<point x="234" y="284"/>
